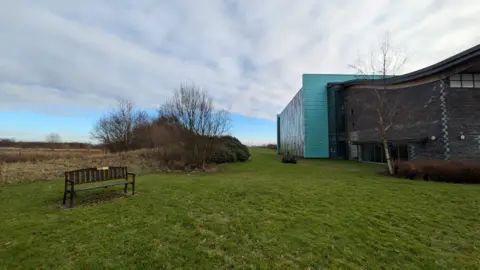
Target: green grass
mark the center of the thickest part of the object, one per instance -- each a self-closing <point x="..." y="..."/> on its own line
<point x="259" y="214"/>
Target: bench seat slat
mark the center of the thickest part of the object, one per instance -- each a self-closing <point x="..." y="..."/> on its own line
<point x="75" y="176"/>
<point x="104" y="185"/>
<point x="111" y="175"/>
<point x="91" y="175"/>
<point x="82" y="176"/>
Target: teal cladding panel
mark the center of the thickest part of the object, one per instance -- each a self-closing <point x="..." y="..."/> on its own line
<point x="315" y="113"/>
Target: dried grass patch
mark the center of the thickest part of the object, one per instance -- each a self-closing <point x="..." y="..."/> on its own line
<point x="50" y="169"/>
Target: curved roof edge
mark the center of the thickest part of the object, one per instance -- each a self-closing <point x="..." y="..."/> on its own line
<point x="427" y="71"/>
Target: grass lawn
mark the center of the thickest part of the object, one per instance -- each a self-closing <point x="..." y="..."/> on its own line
<point x="259" y="214"/>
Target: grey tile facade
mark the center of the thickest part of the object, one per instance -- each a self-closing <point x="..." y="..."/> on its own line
<point x="427" y="107"/>
<point x="463" y="107"/>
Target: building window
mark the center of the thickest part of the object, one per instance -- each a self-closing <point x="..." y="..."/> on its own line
<point x="466" y="80"/>
<point x="374" y="152"/>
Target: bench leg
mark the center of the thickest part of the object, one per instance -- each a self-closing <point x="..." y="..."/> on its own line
<point x="125" y="189"/>
<point x="133" y="188"/>
<point x="72" y="199"/>
<point x="64" y="196"/>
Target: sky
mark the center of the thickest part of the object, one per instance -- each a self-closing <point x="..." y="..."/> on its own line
<point x="64" y="63"/>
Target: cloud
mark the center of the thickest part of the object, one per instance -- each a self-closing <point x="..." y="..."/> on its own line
<point x="248" y="54"/>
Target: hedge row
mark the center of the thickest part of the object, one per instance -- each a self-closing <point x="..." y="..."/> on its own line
<point x="453" y="171"/>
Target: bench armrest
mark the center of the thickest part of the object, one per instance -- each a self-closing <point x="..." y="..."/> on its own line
<point x="132" y="174"/>
<point x="72" y="184"/>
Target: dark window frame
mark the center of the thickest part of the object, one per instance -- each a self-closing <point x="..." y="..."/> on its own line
<point x="459" y="78"/>
<point x="373" y="152"/>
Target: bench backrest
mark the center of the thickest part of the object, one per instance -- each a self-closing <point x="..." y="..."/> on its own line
<point x="91" y="175"/>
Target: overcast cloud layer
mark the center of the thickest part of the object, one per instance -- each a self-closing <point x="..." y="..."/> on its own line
<point x="248" y="54"/>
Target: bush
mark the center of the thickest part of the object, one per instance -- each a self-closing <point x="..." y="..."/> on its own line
<point x="440" y="170"/>
<point x="405" y="169"/>
<point x="229" y="150"/>
<point x="289" y="158"/>
<point x="240" y="150"/>
<point x="223" y="155"/>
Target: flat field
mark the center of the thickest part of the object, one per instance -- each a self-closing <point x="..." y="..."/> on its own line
<point x="260" y="214"/>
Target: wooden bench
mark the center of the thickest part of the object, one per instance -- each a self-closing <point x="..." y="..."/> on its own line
<point x="92" y="175"/>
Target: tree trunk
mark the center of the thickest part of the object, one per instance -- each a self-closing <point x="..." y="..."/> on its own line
<point x="385" y="143"/>
<point x="388" y="157"/>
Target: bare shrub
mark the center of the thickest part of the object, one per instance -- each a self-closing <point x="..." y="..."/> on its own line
<point x="54" y="140"/>
<point x="116" y="129"/>
<point x="191" y="112"/>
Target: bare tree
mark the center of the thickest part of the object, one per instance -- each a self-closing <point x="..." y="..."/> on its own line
<point x="116" y="128"/>
<point x="386" y="104"/>
<point x="192" y="109"/>
<point x="53" y="139"/>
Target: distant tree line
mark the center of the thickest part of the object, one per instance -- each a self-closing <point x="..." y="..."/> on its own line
<point x="7" y="142"/>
